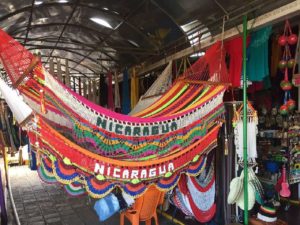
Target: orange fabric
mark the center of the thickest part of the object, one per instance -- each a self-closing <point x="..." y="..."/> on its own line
<point x="144" y="208"/>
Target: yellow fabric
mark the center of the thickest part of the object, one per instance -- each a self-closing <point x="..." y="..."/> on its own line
<point x="134" y="89"/>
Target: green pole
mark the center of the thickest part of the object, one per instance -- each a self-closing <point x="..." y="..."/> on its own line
<point x="245" y="122"/>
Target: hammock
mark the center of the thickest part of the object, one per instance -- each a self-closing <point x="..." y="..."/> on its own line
<point x="161" y="84"/>
<point x="81" y="144"/>
<point x="195" y="196"/>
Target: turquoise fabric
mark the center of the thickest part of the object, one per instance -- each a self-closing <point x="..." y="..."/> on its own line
<point x="258" y="55"/>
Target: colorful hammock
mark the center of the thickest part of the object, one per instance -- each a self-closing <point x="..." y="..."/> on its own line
<point x="81" y="144"/>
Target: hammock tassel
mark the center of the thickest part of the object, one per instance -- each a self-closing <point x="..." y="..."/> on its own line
<point x="42" y="101"/>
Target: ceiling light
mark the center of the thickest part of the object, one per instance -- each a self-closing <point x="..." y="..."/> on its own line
<point x="63" y="1"/>
<point x="105" y="8"/>
<point x="38" y="2"/>
<point x="133" y="43"/>
<point x="199" y="54"/>
<point x="101" y="22"/>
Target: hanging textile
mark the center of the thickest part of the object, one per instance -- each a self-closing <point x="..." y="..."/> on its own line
<point x="83" y="87"/>
<point x="79" y="85"/>
<point x="90" y="90"/>
<point x="95" y="91"/>
<point x="195" y="196"/>
<point x="103" y="91"/>
<point x="59" y="71"/>
<point x="67" y="74"/>
<point x="234" y="48"/>
<point x="117" y="92"/>
<point x="110" y="100"/>
<point x="21" y="110"/>
<point x="91" y="149"/>
<point x="252" y="122"/>
<point x="125" y="93"/>
<point x="258" y="55"/>
<point x="51" y="66"/>
<point x="276" y="53"/>
<point x="160" y="85"/>
<point x="134" y="95"/>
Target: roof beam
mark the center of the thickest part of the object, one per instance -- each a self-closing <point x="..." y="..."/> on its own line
<point x="116" y="28"/>
<point x="88" y="47"/>
<point x="51" y="4"/>
<point x="71" y="60"/>
<point x="29" y="21"/>
<point x="65" y="26"/>
<point x="67" y="50"/>
<point x="273" y="16"/>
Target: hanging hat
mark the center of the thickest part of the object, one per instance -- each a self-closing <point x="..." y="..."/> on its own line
<point x="236" y="188"/>
<point x="267" y="213"/>
<point x="251" y="198"/>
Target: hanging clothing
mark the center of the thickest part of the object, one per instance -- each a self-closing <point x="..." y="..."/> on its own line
<point x="117" y="93"/>
<point x="276" y="53"/>
<point x="110" y="99"/>
<point x="234" y="49"/>
<point x="258" y="55"/>
<point x="103" y="91"/>
<point x="260" y="85"/>
<point x="251" y="138"/>
<point x="134" y="95"/>
<point x="125" y="93"/>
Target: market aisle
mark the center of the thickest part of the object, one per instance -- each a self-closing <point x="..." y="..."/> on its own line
<point x="38" y="203"/>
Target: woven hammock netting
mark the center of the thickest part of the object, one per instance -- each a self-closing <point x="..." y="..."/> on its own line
<point x="91" y="149"/>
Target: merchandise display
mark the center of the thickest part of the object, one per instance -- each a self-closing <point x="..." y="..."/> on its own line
<point x="149" y="114"/>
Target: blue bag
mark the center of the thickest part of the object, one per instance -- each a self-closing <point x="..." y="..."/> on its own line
<point x="107" y="206"/>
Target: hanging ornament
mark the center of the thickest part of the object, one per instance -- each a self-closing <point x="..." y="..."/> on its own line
<point x="291" y="63"/>
<point x="282" y="40"/>
<point x="286" y="85"/>
<point x="292" y="39"/>
<point x="288" y="37"/>
<point x="291" y="104"/>
<point x="283" y="110"/>
<point x="282" y="64"/>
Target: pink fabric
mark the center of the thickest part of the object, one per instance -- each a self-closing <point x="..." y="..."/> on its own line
<point x="126" y="118"/>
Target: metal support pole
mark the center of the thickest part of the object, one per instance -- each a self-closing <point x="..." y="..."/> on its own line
<point x="245" y="122"/>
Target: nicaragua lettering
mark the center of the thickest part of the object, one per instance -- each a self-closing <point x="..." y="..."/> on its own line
<point x="136" y="130"/>
<point x="133" y="174"/>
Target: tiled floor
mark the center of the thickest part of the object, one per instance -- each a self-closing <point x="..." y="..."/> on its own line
<point x="38" y="203"/>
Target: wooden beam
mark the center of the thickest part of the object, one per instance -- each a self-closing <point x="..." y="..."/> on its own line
<point x="273" y="16"/>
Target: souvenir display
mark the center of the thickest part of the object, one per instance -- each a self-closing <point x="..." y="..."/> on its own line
<point x="93" y="150"/>
<point x="179" y="139"/>
<point x="287" y="62"/>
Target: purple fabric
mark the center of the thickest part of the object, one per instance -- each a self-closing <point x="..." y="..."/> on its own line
<point x="2" y="204"/>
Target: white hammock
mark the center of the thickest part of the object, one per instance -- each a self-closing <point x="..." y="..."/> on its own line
<point x="160" y="85"/>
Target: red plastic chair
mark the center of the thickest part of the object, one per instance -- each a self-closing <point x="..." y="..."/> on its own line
<point x="144" y="208"/>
